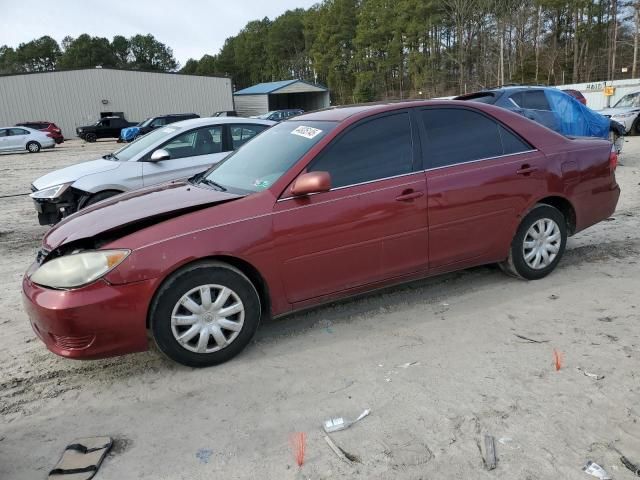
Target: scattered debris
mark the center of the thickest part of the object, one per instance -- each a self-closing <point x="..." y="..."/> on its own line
<point x="553" y="297"/>
<point x="530" y="340"/>
<point x="606" y="319"/>
<point x="557" y="359"/>
<point x="407" y="365"/>
<point x="490" y="460"/>
<point x="509" y="443"/>
<point x="387" y="379"/>
<point x="204" y="455"/>
<point x="589" y="374"/>
<point x="336" y="450"/>
<point x="349" y="383"/>
<point x="610" y="219"/>
<point x="596" y="470"/>
<point x="633" y="467"/>
<point x="83" y="456"/>
<point x="338" y="423"/>
<point x="298" y="445"/>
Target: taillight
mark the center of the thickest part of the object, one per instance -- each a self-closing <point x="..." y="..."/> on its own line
<point x="613" y="158"/>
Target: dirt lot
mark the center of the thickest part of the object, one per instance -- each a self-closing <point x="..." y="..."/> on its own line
<point x="473" y="374"/>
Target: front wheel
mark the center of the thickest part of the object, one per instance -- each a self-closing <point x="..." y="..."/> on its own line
<point x="538" y="244"/>
<point x="90" y="137"/>
<point x="33" y="147"/>
<point x="205" y="314"/>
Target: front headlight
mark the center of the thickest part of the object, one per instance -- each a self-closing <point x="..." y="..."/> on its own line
<point x="78" y="269"/>
<point x="625" y="115"/>
<point x="51" y="192"/>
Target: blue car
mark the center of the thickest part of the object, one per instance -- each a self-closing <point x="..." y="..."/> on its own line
<point x="554" y="109"/>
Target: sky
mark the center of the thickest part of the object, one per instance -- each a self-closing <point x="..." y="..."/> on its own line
<point x="190" y="27"/>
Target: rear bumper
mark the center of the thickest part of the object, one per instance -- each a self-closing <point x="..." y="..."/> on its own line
<point x="96" y="321"/>
<point x="596" y="206"/>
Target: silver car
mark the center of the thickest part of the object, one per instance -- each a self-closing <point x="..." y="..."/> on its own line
<point x="626" y="111"/>
<point x="179" y="150"/>
<point x="24" y="139"/>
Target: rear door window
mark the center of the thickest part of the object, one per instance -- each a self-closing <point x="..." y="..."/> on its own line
<point x="535" y="100"/>
<point x="18" y="131"/>
<point x="456" y="135"/>
<point x="372" y="150"/>
<point x="241" y="134"/>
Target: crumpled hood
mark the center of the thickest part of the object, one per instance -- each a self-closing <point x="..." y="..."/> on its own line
<point x="618" y="111"/>
<point x="129" y="211"/>
<point x="74" y="172"/>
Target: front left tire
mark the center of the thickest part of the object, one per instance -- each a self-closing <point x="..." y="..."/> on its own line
<point x="205" y="314"/>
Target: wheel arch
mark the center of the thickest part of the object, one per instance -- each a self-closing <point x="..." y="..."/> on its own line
<point x="566" y="208"/>
<point x="249" y="270"/>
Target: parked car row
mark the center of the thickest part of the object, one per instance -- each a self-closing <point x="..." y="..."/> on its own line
<point x="310" y="210"/>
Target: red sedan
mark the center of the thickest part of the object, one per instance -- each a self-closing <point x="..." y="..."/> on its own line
<point x="317" y="208"/>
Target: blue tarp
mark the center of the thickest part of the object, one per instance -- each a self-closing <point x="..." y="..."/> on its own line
<point x="576" y="119"/>
<point x="129" y="134"/>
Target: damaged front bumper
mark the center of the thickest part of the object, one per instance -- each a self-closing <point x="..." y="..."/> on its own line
<point x="51" y="210"/>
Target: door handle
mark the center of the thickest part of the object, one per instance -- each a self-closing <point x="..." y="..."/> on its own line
<point x="526" y="169"/>
<point x="409" y="195"/>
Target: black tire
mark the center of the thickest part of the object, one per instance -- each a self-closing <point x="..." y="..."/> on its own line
<point x="516" y="264"/>
<point x="186" y="280"/>
<point x="635" y="127"/>
<point x="98" y="197"/>
<point x="90" y="137"/>
<point x="33" y="147"/>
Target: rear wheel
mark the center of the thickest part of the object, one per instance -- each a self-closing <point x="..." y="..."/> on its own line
<point x="205" y="314"/>
<point x="538" y="244"/>
<point x="33" y="147"/>
<point x="90" y="137"/>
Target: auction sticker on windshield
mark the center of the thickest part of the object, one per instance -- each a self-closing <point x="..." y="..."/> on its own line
<point x="168" y="130"/>
<point x="306" y="132"/>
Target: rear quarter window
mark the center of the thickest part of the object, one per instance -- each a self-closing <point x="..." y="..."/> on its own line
<point x="457" y="135"/>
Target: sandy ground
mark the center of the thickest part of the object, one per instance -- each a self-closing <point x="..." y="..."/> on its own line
<point x="473" y="375"/>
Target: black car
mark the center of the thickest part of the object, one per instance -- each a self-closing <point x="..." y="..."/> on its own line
<point x="129" y="134"/>
<point x="106" y="127"/>
<point x="225" y="113"/>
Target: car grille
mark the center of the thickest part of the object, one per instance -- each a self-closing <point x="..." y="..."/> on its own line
<point x="72" y="343"/>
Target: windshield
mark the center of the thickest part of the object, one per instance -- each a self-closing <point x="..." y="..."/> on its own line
<point x="258" y="164"/>
<point x="145" y="123"/>
<point x="631" y="100"/>
<point x="130" y="150"/>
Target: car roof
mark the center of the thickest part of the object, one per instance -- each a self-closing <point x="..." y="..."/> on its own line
<point x="339" y="114"/>
<point x="201" y="122"/>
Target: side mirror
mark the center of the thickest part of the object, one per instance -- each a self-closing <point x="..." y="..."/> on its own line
<point x="160" y="155"/>
<point x="312" y="182"/>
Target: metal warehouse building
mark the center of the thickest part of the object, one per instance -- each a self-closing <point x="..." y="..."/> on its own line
<point x="264" y="97"/>
<point x="73" y="98"/>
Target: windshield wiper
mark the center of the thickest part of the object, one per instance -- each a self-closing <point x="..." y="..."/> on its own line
<point x="110" y="155"/>
<point x="213" y="184"/>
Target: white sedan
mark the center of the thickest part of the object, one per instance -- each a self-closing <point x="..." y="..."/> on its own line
<point x="176" y="151"/>
<point x="23" y="138"/>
